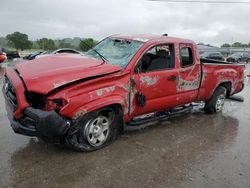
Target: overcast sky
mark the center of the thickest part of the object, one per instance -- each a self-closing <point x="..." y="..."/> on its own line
<point x="209" y="23"/>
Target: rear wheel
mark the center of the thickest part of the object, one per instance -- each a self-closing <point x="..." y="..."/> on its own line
<point x="216" y="103"/>
<point x="95" y="130"/>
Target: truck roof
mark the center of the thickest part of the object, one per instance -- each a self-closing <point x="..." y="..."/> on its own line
<point x="153" y="38"/>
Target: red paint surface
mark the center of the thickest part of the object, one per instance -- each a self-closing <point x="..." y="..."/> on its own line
<point x="44" y="74"/>
<point x="47" y="74"/>
<point x="19" y="88"/>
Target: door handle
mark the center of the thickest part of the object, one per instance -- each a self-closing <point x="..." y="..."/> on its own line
<point x="172" y="78"/>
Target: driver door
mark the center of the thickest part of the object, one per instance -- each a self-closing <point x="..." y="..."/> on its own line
<point x="155" y="81"/>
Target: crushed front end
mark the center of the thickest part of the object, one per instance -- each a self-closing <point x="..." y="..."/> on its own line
<point x="25" y="112"/>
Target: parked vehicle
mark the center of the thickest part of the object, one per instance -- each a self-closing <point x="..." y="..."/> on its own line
<point x="125" y="80"/>
<point x="60" y="51"/>
<point x="33" y="55"/>
<point x="239" y="57"/>
<point x="213" y="55"/>
<point x="10" y="54"/>
<point x="3" y="57"/>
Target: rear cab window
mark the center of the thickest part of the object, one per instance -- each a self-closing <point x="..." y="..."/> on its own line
<point x="186" y="56"/>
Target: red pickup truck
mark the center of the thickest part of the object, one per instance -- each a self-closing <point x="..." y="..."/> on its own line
<point x="125" y="80"/>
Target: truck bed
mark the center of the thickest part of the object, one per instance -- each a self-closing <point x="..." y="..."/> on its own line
<point x="215" y="73"/>
<point x="204" y="60"/>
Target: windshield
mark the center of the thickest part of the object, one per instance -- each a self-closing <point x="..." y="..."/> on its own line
<point x="117" y="51"/>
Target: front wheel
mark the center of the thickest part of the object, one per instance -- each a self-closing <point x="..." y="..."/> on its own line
<point x="216" y="103"/>
<point x="94" y="131"/>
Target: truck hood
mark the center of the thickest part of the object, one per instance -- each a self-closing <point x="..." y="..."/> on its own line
<point x="45" y="74"/>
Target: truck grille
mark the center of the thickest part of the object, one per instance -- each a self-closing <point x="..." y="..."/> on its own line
<point x="10" y="94"/>
<point x="36" y="100"/>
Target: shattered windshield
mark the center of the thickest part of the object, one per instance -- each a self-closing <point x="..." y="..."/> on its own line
<point x="117" y="51"/>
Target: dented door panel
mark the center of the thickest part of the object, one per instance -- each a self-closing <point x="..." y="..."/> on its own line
<point x="188" y="78"/>
<point x="216" y="74"/>
<point x="158" y="89"/>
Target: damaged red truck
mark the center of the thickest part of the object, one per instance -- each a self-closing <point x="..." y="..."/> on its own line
<point x="125" y="80"/>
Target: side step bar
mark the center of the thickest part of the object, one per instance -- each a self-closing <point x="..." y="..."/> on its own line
<point x="164" y="115"/>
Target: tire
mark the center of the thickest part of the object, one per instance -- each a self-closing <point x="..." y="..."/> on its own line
<point x="216" y="103"/>
<point x="94" y="130"/>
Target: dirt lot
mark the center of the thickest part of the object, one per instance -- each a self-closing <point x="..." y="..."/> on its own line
<point x="194" y="150"/>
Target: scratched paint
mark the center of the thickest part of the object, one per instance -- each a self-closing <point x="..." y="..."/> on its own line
<point x="127" y="104"/>
<point x="149" y="81"/>
<point x="99" y="92"/>
<point x="80" y="113"/>
<point x="110" y="89"/>
<point x="127" y="87"/>
<point x="132" y="100"/>
<point x="184" y="85"/>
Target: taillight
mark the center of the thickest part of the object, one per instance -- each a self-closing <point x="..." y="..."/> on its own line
<point x="55" y="104"/>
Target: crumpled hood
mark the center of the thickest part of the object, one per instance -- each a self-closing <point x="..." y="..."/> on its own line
<point x="45" y="74"/>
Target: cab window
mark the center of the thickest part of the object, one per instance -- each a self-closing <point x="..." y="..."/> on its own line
<point x="186" y="57"/>
<point x="157" y="58"/>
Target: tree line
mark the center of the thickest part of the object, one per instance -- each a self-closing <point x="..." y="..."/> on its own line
<point x="20" y="41"/>
<point x="236" y="45"/>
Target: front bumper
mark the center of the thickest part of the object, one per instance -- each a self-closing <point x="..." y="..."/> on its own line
<point x="35" y="122"/>
<point x="27" y="120"/>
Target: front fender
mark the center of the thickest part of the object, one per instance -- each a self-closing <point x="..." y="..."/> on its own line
<point x="100" y="103"/>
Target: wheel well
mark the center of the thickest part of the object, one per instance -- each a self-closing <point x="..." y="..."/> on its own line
<point x="119" y="113"/>
<point x="116" y="107"/>
<point x="228" y="86"/>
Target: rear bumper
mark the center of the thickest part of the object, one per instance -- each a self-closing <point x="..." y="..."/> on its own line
<point x="35" y="122"/>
